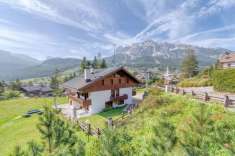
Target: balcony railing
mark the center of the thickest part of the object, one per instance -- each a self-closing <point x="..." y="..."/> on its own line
<point x="83" y="103"/>
<point x="119" y="98"/>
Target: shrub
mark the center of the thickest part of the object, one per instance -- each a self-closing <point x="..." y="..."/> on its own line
<point x="11" y="94"/>
<point x="224" y="80"/>
<point x="195" y="82"/>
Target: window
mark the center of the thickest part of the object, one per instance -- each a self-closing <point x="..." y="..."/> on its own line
<point x="127" y="80"/>
<point x="120" y="81"/>
<point x="103" y="82"/>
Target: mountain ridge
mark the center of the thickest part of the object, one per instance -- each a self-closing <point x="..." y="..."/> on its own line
<point x="151" y="54"/>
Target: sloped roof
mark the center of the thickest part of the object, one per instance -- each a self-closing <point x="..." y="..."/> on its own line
<point x="36" y="88"/>
<point x="226" y="58"/>
<point x="80" y="82"/>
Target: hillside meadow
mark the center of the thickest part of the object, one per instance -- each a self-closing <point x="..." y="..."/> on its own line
<point x="163" y="124"/>
<point x="15" y="129"/>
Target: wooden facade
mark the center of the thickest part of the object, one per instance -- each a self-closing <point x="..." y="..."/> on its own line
<point x="111" y="82"/>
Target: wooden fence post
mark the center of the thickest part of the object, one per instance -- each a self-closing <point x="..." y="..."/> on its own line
<point x="226" y="101"/>
<point x="206" y="98"/>
<point x="98" y="132"/>
<point x="88" y="129"/>
<point x="177" y="90"/>
<point x="110" y="122"/>
<point x="183" y="92"/>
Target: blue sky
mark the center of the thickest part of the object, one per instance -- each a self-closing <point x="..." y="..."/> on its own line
<point x="77" y="28"/>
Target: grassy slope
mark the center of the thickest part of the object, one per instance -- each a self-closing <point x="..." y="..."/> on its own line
<point x="140" y="125"/>
<point x="99" y="120"/>
<point x="15" y="130"/>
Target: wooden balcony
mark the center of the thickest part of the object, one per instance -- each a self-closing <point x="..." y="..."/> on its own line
<point x="83" y="103"/>
<point x="119" y="98"/>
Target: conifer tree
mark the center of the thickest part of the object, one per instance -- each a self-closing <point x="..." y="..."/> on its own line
<point x="103" y="64"/>
<point x="83" y="64"/>
<point x="189" y="66"/>
<point x="34" y="149"/>
<point x="197" y="138"/>
<point x="2" y="87"/>
<point x="95" y="63"/>
<point x="164" y="138"/>
<point x="18" y="152"/>
<point x="45" y="127"/>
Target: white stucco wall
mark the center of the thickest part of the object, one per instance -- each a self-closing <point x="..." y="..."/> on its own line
<point x="226" y="65"/>
<point x="98" y="100"/>
<point x="127" y="91"/>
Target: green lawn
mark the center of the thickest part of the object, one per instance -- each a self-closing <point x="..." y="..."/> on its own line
<point x="140" y="90"/>
<point x="16" y="130"/>
<point x="99" y="120"/>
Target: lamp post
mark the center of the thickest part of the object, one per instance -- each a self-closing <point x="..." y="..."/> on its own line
<point x="168" y="78"/>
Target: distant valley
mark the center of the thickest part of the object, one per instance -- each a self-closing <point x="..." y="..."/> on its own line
<point x="13" y="66"/>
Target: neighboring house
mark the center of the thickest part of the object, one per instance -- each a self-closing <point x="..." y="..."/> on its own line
<point x="98" y="89"/>
<point x="227" y="60"/>
<point x="37" y="90"/>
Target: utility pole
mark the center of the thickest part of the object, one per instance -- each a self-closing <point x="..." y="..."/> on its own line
<point x="114" y="55"/>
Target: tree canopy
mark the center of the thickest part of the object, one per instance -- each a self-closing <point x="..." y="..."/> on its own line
<point x="189" y="66"/>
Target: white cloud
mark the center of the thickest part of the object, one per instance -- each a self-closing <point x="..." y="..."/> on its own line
<point x="216" y="6"/>
<point x="80" y="14"/>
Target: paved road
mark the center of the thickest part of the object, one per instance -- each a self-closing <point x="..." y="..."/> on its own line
<point x="212" y="92"/>
<point x="209" y="90"/>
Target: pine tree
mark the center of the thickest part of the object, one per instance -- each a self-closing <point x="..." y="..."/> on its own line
<point x="95" y="63"/>
<point x="189" y="66"/>
<point x="54" y="84"/>
<point x="45" y="127"/>
<point x="34" y="149"/>
<point x="2" y="87"/>
<point x="197" y="138"/>
<point x="115" y="143"/>
<point x="18" y="152"/>
<point x="103" y="64"/>
<point x="15" y="85"/>
<point x="164" y="138"/>
<point x="57" y="133"/>
<point x="83" y="64"/>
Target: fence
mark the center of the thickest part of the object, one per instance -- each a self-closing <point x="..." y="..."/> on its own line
<point x="226" y="100"/>
<point x="89" y="130"/>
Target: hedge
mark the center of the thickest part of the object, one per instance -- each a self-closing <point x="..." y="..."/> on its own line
<point x="195" y="82"/>
<point x="224" y="80"/>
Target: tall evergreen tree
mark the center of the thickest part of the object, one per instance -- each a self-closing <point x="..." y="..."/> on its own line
<point x="2" y="87"/>
<point x="197" y="138"/>
<point x="83" y="64"/>
<point x="164" y="138"/>
<point x="103" y="64"/>
<point x="34" y="149"/>
<point x="45" y="127"/>
<point x="95" y="63"/>
<point x="189" y="66"/>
